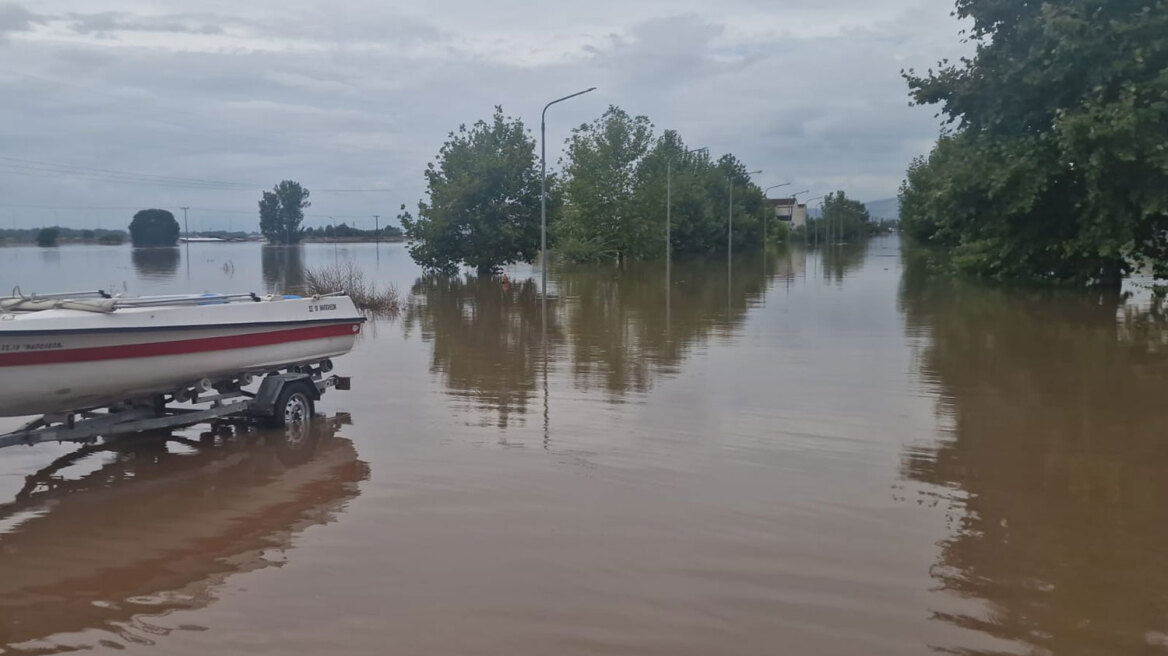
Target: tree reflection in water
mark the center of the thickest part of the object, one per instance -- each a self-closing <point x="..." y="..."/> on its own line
<point x="487" y="338"/>
<point x="156" y="263"/>
<point x="609" y="327"/>
<point x="283" y="269"/>
<point x="1056" y="458"/>
<point x="841" y="259"/>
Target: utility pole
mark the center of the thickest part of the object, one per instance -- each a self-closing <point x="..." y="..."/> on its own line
<point x="336" y="256"/>
<point x="376" y="229"/>
<point x="187" y="230"/>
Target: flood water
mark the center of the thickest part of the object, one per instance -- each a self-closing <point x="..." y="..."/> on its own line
<point x="808" y="453"/>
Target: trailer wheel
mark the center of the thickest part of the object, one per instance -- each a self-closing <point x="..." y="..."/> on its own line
<point x="293" y="406"/>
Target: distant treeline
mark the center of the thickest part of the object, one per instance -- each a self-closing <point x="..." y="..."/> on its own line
<point x="344" y="231"/>
<point x="29" y="235"/>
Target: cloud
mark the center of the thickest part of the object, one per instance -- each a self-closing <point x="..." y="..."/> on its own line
<point x="105" y="24"/>
<point x="14" y="18"/>
<point x="363" y="96"/>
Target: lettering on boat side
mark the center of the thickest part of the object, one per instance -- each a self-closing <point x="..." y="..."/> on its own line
<point x="322" y="307"/>
<point x="44" y="346"/>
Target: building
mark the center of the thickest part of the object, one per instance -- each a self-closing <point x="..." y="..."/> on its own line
<point x="788" y="209"/>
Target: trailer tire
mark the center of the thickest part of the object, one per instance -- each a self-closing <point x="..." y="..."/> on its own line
<point x="294" y="405"/>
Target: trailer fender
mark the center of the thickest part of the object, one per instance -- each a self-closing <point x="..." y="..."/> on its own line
<point x="272" y="386"/>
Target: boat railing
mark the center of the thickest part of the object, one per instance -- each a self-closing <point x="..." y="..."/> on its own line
<point x="97" y="293"/>
<point x="184" y="299"/>
<point x="102" y="302"/>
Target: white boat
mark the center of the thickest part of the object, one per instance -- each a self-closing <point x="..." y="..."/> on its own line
<point x="69" y="352"/>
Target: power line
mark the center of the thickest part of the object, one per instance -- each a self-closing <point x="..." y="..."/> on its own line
<point x="127" y="107"/>
<point x="371" y="189"/>
<point x="93" y="169"/>
<point x="20" y="166"/>
<point x="134" y="106"/>
<point x="56" y="172"/>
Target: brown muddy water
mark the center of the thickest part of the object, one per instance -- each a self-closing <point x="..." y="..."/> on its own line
<point x="819" y="453"/>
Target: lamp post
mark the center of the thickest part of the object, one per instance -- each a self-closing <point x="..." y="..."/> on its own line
<point x="669" y="201"/>
<point x="543" y="186"/>
<point x="795" y="205"/>
<point x="764" y="220"/>
<point x="807" y="227"/>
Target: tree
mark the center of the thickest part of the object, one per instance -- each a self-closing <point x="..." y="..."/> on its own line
<point x="748" y="200"/>
<point x="602" y="218"/>
<point x="282" y="211"/>
<point x="154" y="227"/>
<point x="1049" y="170"/>
<point x="845" y="217"/>
<point x="47" y="236"/>
<point x="484" y="202"/>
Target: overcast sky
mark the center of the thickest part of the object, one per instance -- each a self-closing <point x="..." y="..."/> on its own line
<point x="206" y="103"/>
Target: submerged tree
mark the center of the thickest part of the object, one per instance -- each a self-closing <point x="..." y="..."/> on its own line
<point x="1056" y="166"/>
<point x="845" y="217"/>
<point x="282" y="211"/>
<point x="47" y="236"/>
<point x="615" y="193"/>
<point x="601" y="218"/>
<point x="483" y="208"/>
<point x="154" y="227"/>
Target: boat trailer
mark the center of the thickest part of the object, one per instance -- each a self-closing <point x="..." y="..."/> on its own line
<point x="283" y="397"/>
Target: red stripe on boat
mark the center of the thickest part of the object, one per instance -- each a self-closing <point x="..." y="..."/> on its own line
<point x="179" y="347"/>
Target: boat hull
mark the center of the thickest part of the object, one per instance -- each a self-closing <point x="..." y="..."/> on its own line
<point x="78" y="360"/>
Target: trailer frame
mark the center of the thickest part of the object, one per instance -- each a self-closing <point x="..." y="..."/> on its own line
<point x="226" y="400"/>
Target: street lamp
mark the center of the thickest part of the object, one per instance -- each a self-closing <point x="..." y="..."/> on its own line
<point x="764" y="220"/>
<point x="730" y="215"/>
<point x="808" y="202"/>
<point x="669" y="200"/>
<point x="795" y="197"/>
<point x="543" y="185"/>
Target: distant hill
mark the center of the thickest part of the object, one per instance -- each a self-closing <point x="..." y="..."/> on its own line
<point x="885" y="208"/>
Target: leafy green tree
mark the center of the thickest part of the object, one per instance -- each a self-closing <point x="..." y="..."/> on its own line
<point x="154" y="227"/>
<point x="1055" y="165"/>
<point x="699" y="200"/>
<point x="845" y="217"/>
<point x="602" y="218"/>
<point x="282" y="211"/>
<point x="697" y="226"/>
<point x="483" y="208"/>
<point x="47" y="236"/>
<point x="749" y="206"/>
